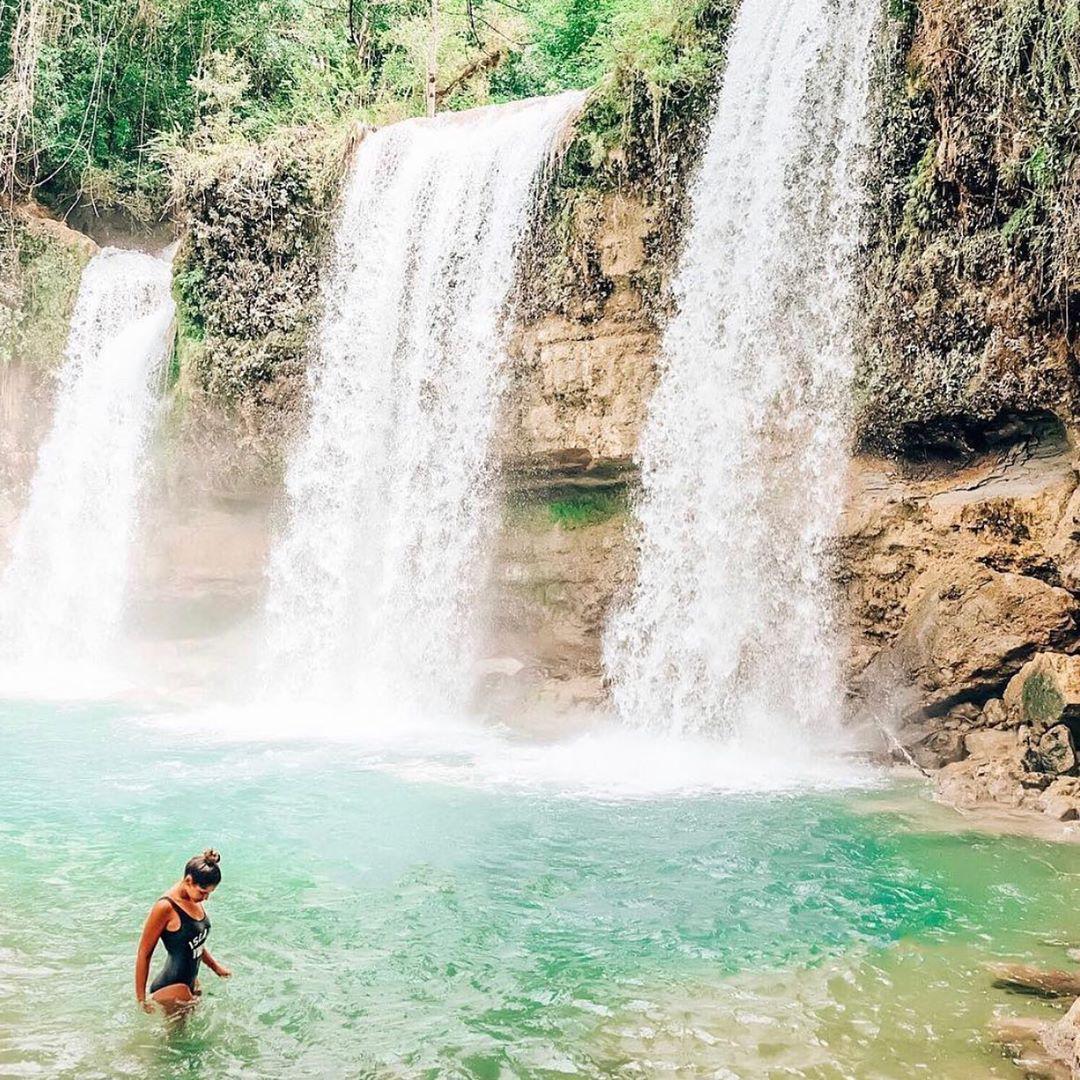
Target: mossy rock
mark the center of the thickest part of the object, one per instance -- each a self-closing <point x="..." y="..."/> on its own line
<point x="41" y="264"/>
<point x="1046" y="691"/>
<point x="579" y="510"/>
<point x="1042" y="702"/>
<point x="256" y="221"/>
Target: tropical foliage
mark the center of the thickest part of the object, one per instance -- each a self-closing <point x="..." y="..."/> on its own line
<point x="97" y="95"/>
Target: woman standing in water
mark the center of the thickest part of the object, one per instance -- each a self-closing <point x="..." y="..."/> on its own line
<point x="179" y="921"/>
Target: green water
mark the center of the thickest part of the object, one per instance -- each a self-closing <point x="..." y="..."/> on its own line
<point x="381" y="926"/>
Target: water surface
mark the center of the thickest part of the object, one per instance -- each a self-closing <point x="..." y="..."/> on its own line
<point x="382" y="922"/>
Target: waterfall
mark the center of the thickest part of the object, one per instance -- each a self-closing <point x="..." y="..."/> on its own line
<point x="728" y="630"/>
<point x="390" y="488"/>
<point x="62" y="592"/>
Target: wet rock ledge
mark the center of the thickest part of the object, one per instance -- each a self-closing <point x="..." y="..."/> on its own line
<point x="961" y="581"/>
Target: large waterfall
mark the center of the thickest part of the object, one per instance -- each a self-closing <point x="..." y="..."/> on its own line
<point x="743" y="455"/>
<point x="389" y="488"/>
<point x="63" y="590"/>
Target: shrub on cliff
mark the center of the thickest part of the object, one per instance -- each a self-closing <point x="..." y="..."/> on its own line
<point x="254" y="219"/>
<point x="641" y="131"/>
<point x="975" y="258"/>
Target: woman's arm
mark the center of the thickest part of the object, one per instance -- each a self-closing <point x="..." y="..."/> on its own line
<point x="156" y="921"/>
<point x="218" y="969"/>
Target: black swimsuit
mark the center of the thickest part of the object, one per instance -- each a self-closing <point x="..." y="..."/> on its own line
<point x="184" y="947"/>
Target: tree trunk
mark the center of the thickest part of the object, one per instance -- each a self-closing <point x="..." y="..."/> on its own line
<point x="430" y="93"/>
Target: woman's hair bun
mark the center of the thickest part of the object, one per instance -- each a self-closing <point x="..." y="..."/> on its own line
<point x="203" y="869"/>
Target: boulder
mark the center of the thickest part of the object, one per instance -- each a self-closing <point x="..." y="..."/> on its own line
<point x="1045" y="691"/>
<point x="1061" y="799"/>
<point x="990" y="743"/>
<point x="969" y="632"/>
<point x="1056" y="751"/>
<point x="981" y="781"/>
<point x="939" y="748"/>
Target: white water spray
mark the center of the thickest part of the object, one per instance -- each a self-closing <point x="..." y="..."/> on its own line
<point x="390" y="488"/>
<point x="62" y="593"/>
<point x="744" y="451"/>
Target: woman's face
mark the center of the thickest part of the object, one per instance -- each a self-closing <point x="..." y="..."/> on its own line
<point x="198" y="893"/>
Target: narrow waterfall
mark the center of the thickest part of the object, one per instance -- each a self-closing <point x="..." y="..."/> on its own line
<point x="62" y="592"/>
<point x="389" y="489"/>
<point x="728" y="630"/>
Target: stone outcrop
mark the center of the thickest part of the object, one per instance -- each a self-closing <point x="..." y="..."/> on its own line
<point x="969" y="629"/>
<point x="960" y="588"/>
<point x="1048" y="1049"/>
<point x="953" y="576"/>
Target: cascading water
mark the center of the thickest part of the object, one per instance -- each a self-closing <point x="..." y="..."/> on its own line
<point x="63" y="590"/>
<point x="728" y="630"/>
<point x="370" y="585"/>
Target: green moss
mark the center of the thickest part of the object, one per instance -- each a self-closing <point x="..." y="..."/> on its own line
<point x="972" y="287"/>
<point x="904" y="12"/>
<point x="1042" y="702"/>
<point x="41" y="274"/>
<point x="581" y="509"/>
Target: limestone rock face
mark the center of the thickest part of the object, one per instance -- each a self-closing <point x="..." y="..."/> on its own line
<point x="971" y="629"/>
<point x="553" y="583"/>
<point x="953" y="574"/>
<point x="582" y="375"/>
<point x="582" y="386"/>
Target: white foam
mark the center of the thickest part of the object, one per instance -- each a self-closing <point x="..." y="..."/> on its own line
<point x="606" y="762"/>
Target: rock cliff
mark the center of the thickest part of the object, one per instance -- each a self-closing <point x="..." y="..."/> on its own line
<point x="958" y="562"/>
